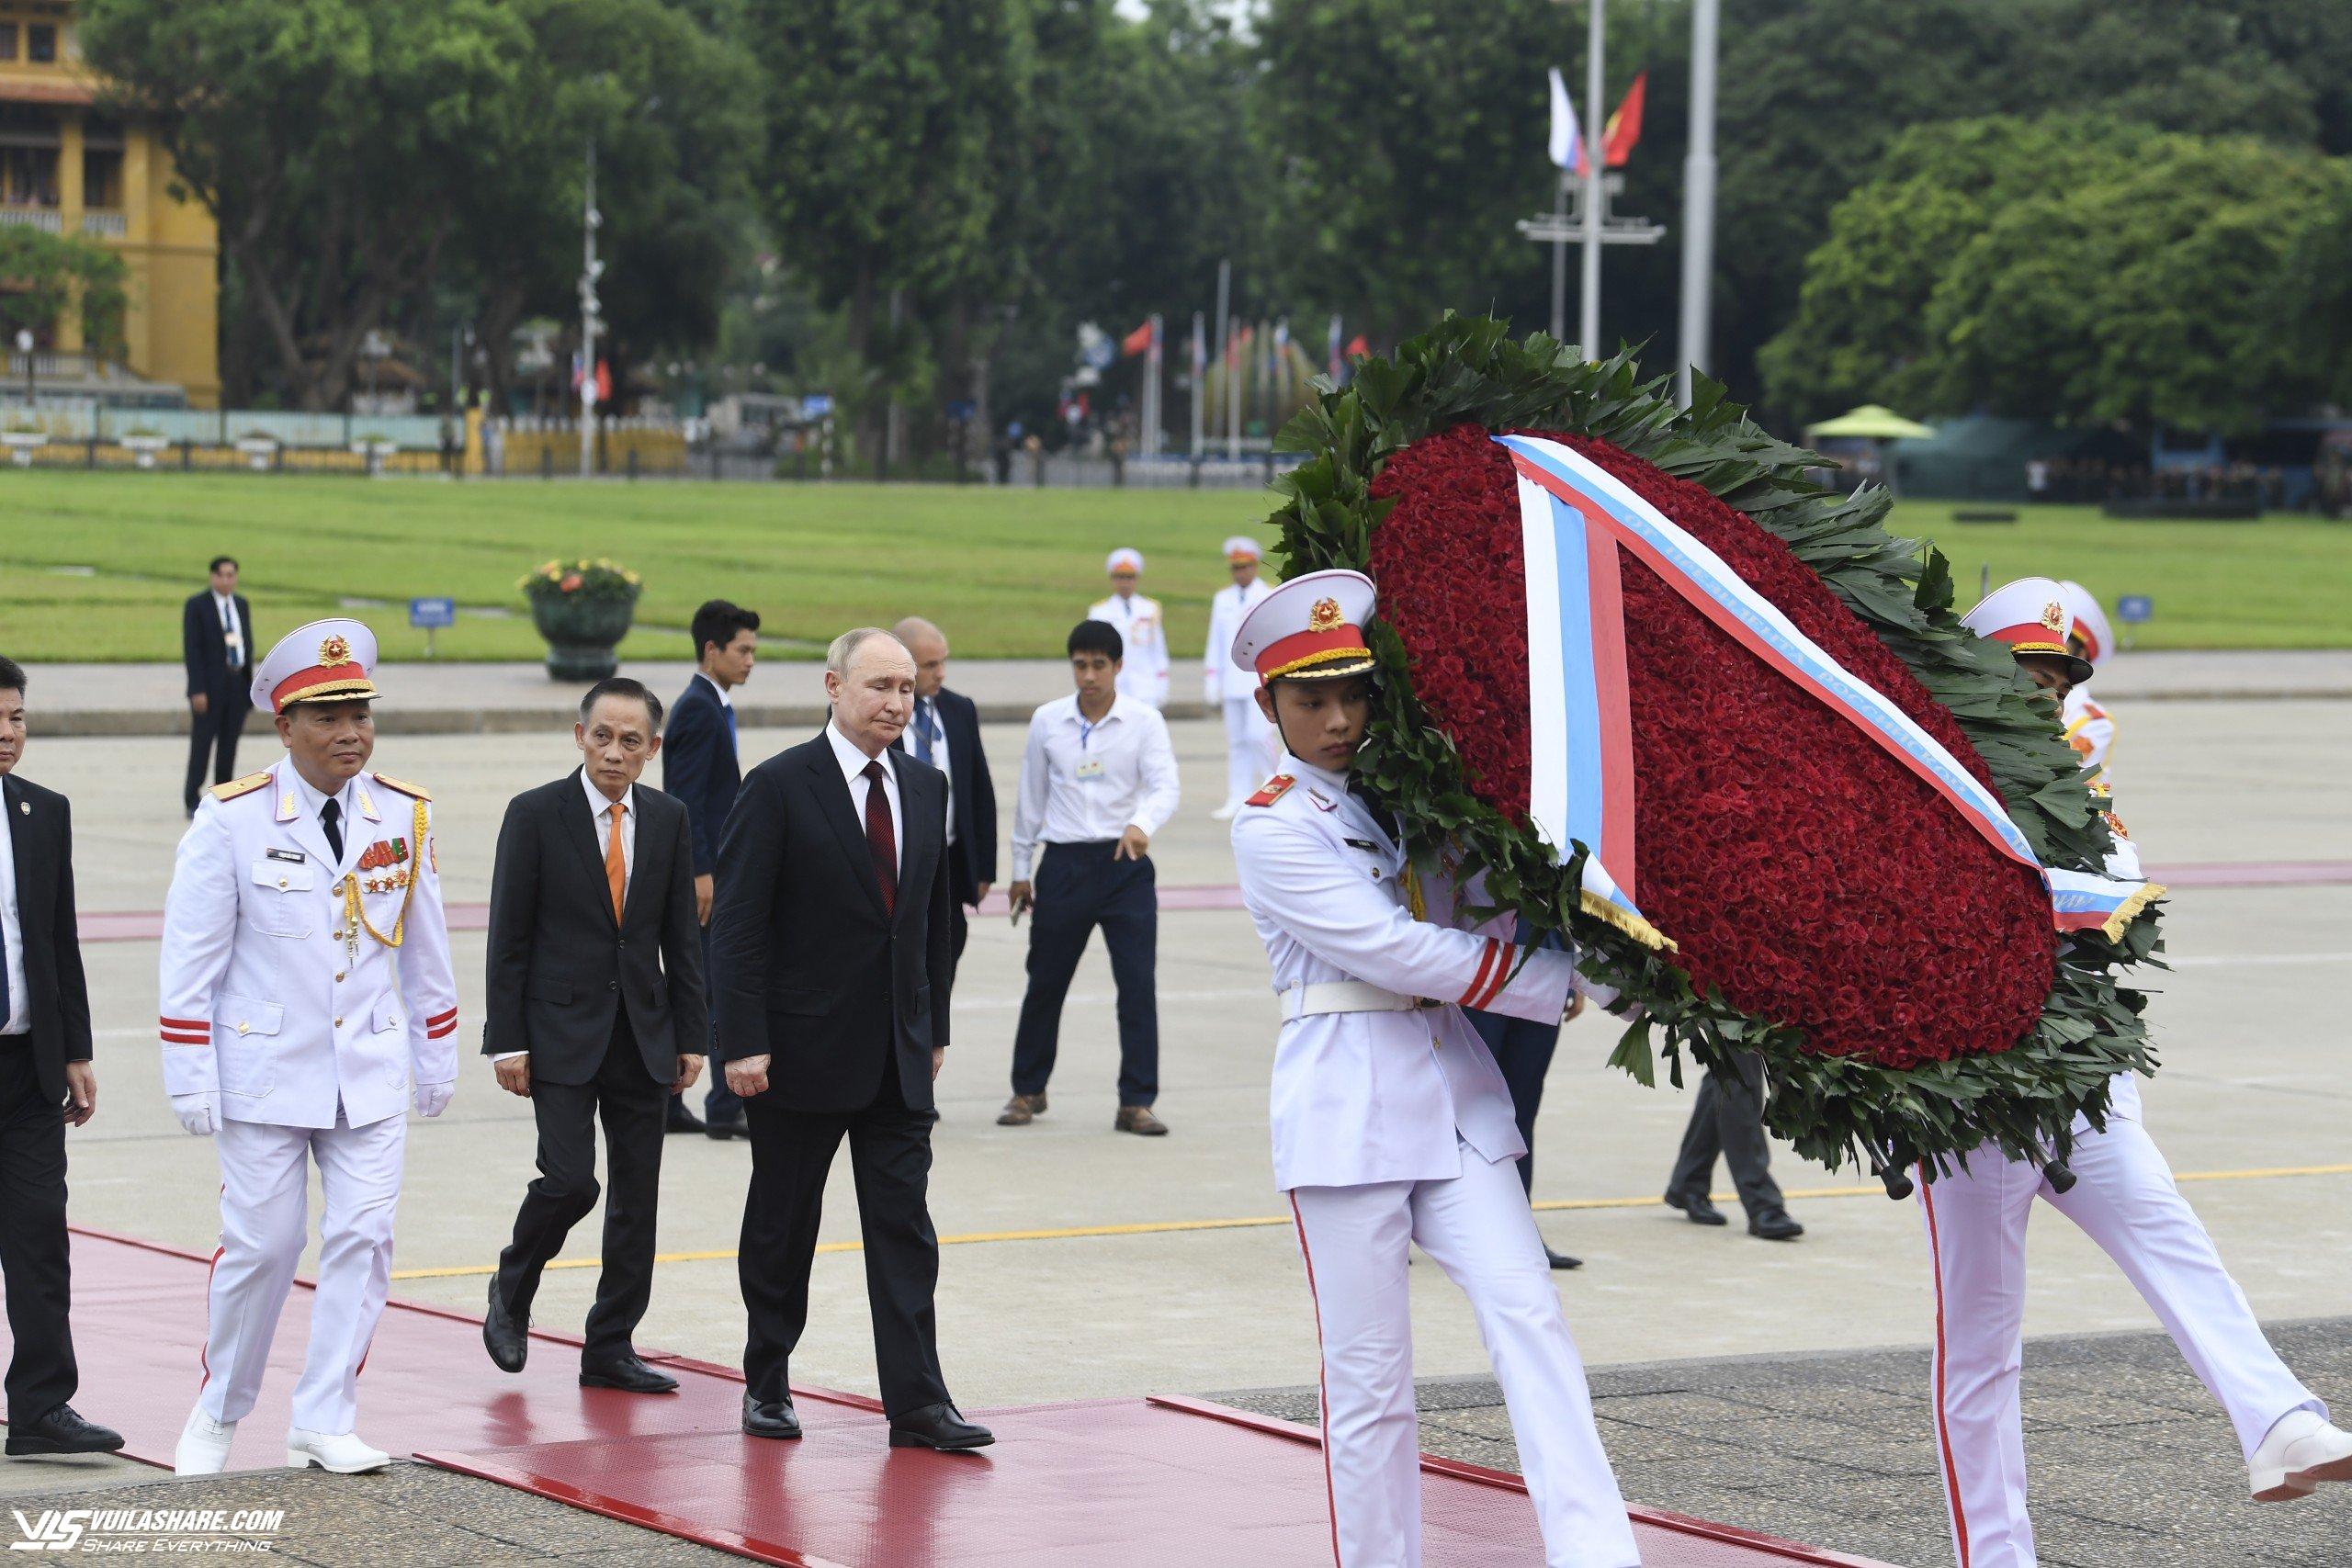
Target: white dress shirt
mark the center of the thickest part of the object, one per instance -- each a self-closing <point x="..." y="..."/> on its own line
<point x="724" y="700"/>
<point x="1084" y="782"/>
<point x="939" y="758"/>
<point x="233" y="630"/>
<point x="20" y="1019"/>
<point x="853" y="761"/>
<point x="313" y="801"/>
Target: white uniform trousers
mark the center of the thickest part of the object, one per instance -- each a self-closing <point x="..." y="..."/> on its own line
<point x="1248" y="749"/>
<point x="2123" y="1199"/>
<point x="1478" y="1228"/>
<point x="264" y="1218"/>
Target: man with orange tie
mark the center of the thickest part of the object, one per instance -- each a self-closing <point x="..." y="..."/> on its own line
<point x="596" y="1006"/>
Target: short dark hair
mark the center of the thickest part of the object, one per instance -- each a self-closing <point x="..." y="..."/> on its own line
<point x="622" y="686"/>
<point x="12" y="676"/>
<point x="220" y="561"/>
<point x="718" y="622"/>
<point x="1097" y="637"/>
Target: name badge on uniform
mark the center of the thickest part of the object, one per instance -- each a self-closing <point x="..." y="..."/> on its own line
<point x="294" y="857"/>
<point x="1090" y="769"/>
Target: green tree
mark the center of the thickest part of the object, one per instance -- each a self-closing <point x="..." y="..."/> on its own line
<point x="55" y="276"/>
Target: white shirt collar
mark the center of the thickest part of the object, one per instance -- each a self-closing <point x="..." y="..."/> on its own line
<point x="596" y="801"/>
<point x="852" y="761"/>
<point x="724" y="700"/>
<point x="314" y="801"/>
<point x="1079" y="719"/>
<point x="1313" y="774"/>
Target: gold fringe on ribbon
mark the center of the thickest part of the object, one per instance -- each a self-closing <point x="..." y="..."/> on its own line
<point x="2120" y="922"/>
<point x="1632" y="925"/>
<point x="357" y="913"/>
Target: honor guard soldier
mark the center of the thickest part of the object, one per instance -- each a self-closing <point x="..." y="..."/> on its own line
<point x="1142" y="631"/>
<point x="308" y="1002"/>
<point x="1249" y="738"/>
<point x="2090" y="729"/>
<point x="1392" y="1125"/>
<point x="2123" y="1199"/>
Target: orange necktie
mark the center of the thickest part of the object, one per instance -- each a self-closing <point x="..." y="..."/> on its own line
<point x="616" y="863"/>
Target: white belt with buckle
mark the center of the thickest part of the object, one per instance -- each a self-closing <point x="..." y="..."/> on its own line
<point x="1344" y="996"/>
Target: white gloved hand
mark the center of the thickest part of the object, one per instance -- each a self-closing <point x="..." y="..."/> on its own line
<point x="199" y="1114"/>
<point x="431" y="1099"/>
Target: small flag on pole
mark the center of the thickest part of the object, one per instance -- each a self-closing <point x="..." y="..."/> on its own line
<point x="1136" y="341"/>
<point x="1567" y="141"/>
<point x="1625" y="125"/>
<point x="1331" y="357"/>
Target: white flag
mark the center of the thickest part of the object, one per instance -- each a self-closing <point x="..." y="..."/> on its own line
<point x="1566" y="148"/>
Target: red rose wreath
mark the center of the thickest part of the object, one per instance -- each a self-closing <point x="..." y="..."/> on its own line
<point x="1898" y="975"/>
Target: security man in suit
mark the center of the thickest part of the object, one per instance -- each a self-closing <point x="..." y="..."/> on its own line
<point x="946" y="732"/>
<point x="2124" y="1199"/>
<point x="702" y="768"/>
<point x="1391" y="1125"/>
<point x="217" y="648"/>
<point x="308" y="1002"/>
<point x="596" y="1006"/>
<point x="46" y="1086"/>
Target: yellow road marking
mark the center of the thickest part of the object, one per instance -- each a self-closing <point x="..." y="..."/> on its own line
<point x="1254" y="1221"/>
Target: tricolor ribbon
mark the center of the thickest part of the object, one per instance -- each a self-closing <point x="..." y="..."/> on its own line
<point x="1576" y="521"/>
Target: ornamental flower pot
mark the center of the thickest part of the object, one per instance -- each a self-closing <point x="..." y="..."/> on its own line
<point x="259" y="451"/>
<point x="23" y="443"/>
<point x="143" y="449"/>
<point x="582" y="609"/>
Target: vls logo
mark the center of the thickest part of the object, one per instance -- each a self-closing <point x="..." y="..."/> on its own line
<point x="57" y="1529"/>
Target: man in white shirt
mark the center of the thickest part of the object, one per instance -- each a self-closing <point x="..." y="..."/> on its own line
<point x="1097" y="780"/>
<point x="1142" y="631"/>
<point x="1249" y="738"/>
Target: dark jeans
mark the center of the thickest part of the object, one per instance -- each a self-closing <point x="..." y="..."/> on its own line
<point x="35" y="1266"/>
<point x="890" y="1158"/>
<point x="1522" y="1050"/>
<point x="1729" y="1119"/>
<point x="1079" y="887"/>
<point x="634" y="1108"/>
<point x="212" y="738"/>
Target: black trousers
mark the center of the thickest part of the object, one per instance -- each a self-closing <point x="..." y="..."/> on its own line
<point x="634" y="1109"/>
<point x="212" y="738"/>
<point x="1522" y="1049"/>
<point x="35" y="1266"/>
<point x="1079" y="887"/>
<point x="890" y="1158"/>
<point x="719" y="1101"/>
<point x="1727" y="1118"/>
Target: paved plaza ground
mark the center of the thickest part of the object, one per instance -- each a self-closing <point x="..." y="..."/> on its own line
<point x="1783" y="1385"/>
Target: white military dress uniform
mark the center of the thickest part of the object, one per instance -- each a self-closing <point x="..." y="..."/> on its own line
<point x="1143" y="673"/>
<point x="294" y="1034"/>
<point x="2123" y="1199"/>
<point x="1250" y="744"/>
<point x="1392" y="1126"/>
<point x="2090" y="728"/>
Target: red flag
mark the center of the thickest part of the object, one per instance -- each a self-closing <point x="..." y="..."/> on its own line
<point x="604" y="381"/>
<point x="1239" y="344"/>
<point x="1625" y="125"/>
<point x="1136" y="341"/>
<point x="1359" y="346"/>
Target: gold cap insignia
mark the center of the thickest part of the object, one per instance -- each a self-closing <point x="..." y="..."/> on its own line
<point x="2054" y="616"/>
<point x="336" y="650"/>
<point x="1325" y="616"/>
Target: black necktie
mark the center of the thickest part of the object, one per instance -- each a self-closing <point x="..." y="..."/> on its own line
<point x="881" y="842"/>
<point x="331" y="823"/>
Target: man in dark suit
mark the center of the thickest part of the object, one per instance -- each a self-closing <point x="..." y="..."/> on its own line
<point x="701" y="769"/>
<point x="595" y="1007"/>
<point x="946" y="732"/>
<point x="832" y="946"/>
<point x="46" y="1085"/>
<point x="217" y="646"/>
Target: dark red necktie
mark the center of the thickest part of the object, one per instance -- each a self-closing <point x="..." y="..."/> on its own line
<point x="880" y="843"/>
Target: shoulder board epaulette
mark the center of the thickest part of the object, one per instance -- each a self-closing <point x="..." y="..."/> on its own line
<point x="236" y="787"/>
<point x="1273" y="790"/>
<point x="415" y="791"/>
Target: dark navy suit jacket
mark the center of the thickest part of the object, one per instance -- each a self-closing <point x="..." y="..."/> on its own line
<point x="699" y="767"/>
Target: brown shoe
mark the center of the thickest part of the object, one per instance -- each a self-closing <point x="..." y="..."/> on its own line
<point x="1022" y="1110"/>
<point x="1139" y="1119"/>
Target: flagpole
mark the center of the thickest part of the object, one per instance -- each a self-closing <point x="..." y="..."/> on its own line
<point x="1560" y="263"/>
<point x="1200" y="382"/>
<point x="1596" y="154"/>
<point x="1698" y="200"/>
<point x="1233" y="393"/>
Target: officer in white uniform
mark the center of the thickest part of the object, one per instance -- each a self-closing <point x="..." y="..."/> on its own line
<point x="1143" y="677"/>
<point x="1249" y="738"/>
<point x="2090" y="728"/>
<point x="307" y="1001"/>
<point x="2124" y="1199"/>
<point x="1392" y="1126"/>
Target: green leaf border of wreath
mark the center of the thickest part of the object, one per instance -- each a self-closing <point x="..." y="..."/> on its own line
<point x="1832" y="1109"/>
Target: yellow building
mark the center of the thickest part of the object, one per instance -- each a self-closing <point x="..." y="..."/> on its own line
<point x="68" y="169"/>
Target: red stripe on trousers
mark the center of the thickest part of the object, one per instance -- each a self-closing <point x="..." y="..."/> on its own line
<point x="1943" y="1431"/>
<point x="1322" y="1380"/>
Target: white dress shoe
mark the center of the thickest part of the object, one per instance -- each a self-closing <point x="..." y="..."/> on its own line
<point x="343" y="1454"/>
<point x="204" y="1445"/>
<point x="2302" y="1451"/>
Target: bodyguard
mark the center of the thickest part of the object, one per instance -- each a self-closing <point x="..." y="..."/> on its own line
<point x="216" y="651"/>
<point x="307" y="1001"/>
<point x="594" y="1006"/>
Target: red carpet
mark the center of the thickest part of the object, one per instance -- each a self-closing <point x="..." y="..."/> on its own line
<point x="1120" y="1480"/>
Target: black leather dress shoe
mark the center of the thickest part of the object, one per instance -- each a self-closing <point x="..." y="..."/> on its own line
<point x="937" y="1426"/>
<point x="1775" y="1225"/>
<point x="61" y="1431"/>
<point x="770" y="1418"/>
<point x="1561" y="1259"/>
<point x="506" y="1336"/>
<point x="627" y="1373"/>
<point x="1700" y="1208"/>
<point x="725" y="1127"/>
<point x="683" y="1120"/>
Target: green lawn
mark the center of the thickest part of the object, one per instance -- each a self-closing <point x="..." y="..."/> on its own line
<point x="95" y="565"/>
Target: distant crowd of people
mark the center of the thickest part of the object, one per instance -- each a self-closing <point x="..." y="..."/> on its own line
<point x="2088" y="479"/>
